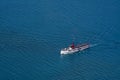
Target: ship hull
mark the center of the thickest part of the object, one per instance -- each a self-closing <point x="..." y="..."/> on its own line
<point x="69" y="51"/>
<point x="75" y="50"/>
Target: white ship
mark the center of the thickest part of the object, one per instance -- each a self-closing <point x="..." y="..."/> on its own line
<point x="73" y="49"/>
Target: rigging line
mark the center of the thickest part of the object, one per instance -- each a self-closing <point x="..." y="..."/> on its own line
<point x="90" y="39"/>
<point x="98" y="36"/>
<point x="106" y="32"/>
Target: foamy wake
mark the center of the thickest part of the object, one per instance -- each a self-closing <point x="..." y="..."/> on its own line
<point x="93" y="45"/>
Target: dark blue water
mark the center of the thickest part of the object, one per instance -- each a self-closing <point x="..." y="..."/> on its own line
<point x="32" y="32"/>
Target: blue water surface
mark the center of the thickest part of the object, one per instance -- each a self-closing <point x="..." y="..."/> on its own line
<point x="32" y="33"/>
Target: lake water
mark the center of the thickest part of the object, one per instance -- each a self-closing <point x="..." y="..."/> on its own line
<point x="32" y="33"/>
